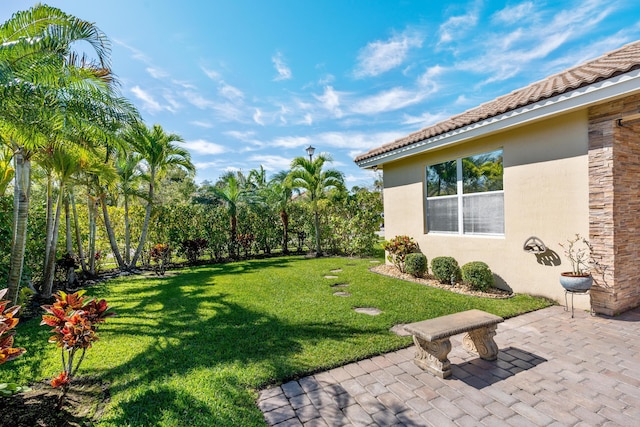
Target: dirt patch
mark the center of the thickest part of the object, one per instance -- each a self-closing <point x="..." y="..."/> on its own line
<point x="459" y="288"/>
<point x="83" y="405"/>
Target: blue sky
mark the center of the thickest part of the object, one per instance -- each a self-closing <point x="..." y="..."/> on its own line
<point x="253" y="82"/>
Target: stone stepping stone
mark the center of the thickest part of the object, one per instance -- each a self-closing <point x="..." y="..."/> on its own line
<point x="371" y="311"/>
<point x="340" y="285"/>
<point x="337" y="270"/>
<point x="399" y="330"/>
<point x="330" y="277"/>
<point x="375" y="261"/>
<point x="342" y="294"/>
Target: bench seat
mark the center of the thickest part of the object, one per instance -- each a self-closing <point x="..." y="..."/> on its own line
<point x="432" y="338"/>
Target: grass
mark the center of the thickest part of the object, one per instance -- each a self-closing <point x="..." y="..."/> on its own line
<point x="194" y="348"/>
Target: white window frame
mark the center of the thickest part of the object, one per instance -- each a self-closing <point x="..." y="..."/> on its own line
<point x="460" y="195"/>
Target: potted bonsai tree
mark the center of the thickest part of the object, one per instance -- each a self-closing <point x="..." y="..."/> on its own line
<point x="579" y="252"/>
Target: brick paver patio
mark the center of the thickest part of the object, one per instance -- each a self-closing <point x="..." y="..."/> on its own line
<point x="552" y="370"/>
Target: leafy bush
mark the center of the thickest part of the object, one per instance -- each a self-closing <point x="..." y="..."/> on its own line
<point x="478" y="275"/>
<point x="445" y="269"/>
<point x="8" y="321"/>
<point x="75" y="325"/>
<point x="398" y="248"/>
<point x="415" y="264"/>
<point x="193" y="249"/>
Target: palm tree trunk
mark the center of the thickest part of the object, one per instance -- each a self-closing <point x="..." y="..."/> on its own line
<point x="111" y="234"/>
<point x="50" y="262"/>
<point x="71" y="272"/>
<point x="83" y="264"/>
<point x="145" y="225"/>
<point x="91" y="204"/>
<point x="22" y="192"/>
<point x="49" y="223"/>
<point x="127" y="232"/>
<point x="317" y="225"/>
<point x="284" y="217"/>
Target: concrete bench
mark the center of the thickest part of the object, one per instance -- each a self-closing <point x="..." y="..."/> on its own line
<point x="432" y="338"/>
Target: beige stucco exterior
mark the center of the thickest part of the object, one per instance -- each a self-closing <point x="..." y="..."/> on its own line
<point x="546" y="194"/>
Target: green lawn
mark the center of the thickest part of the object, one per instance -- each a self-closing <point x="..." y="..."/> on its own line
<point x="193" y="349"/>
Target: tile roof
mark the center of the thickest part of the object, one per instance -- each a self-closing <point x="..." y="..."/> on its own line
<point x="614" y="63"/>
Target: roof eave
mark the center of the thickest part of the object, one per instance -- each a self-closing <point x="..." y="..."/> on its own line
<point x="583" y="97"/>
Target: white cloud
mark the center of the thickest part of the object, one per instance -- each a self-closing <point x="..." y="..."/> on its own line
<point x="381" y="56"/>
<point x="389" y="100"/>
<point x="501" y="55"/>
<point x="148" y="101"/>
<point x="424" y="120"/>
<point x="212" y="74"/>
<point x="157" y="73"/>
<point x="204" y="147"/>
<point x="230" y="92"/>
<point x="201" y="124"/>
<point x="246" y="136"/>
<point x="456" y="26"/>
<point x="330" y="101"/>
<point x="284" y="72"/>
<point x="198" y="100"/>
<point x="272" y="163"/>
<point x="514" y="14"/>
<point x="290" y="141"/>
<point x="257" y="117"/>
<point x="135" y="53"/>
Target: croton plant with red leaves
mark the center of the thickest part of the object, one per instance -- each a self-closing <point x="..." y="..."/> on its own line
<point x="75" y="323"/>
<point x="8" y="321"/>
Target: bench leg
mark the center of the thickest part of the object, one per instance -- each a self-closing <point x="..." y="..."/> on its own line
<point x="432" y="356"/>
<point x="480" y="341"/>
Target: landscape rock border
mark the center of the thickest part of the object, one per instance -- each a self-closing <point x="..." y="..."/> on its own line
<point x="459" y="288"/>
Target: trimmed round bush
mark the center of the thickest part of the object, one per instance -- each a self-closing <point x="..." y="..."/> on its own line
<point x="415" y="264"/>
<point x="444" y="268"/>
<point x="478" y="275"/>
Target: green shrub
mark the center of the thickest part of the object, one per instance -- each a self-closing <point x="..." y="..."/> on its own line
<point x="445" y="268"/>
<point x="398" y="248"/>
<point x="478" y="275"/>
<point x="415" y="264"/>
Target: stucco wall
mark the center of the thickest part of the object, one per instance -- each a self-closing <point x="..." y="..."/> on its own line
<point x="546" y="194"/>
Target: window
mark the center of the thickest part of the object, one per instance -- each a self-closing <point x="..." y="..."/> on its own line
<point x="465" y="196"/>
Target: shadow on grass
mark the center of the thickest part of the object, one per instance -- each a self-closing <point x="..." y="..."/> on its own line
<point x="200" y="330"/>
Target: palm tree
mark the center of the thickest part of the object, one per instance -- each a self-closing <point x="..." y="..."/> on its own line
<point x="42" y="85"/>
<point x="280" y="192"/>
<point x="156" y="148"/>
<point x="307" y="174"/>
<point x="129" y="180"/>
<point x="231" y="192"/>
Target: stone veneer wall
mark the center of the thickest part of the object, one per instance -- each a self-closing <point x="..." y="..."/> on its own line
<point x="614" y="205"/>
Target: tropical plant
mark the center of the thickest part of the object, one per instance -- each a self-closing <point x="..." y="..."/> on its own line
<point x="308" y="175"/>
<point x="51" y="95"/>
<point x="75" y="324"/>
<point x="8" y="321"/>
<point x="194" y="248"/>
<point x="398" y="248"/>
<point x="159" y="153"/>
